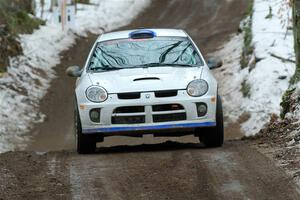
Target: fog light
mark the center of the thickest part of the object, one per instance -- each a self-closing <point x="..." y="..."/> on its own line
<point x="201" y="109"/>
<point x="95" y="115"/>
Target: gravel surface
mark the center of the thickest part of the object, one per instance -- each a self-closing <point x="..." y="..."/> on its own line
<point x="168" y="170"/>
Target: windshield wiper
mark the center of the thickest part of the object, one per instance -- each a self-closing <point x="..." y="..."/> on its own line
<point x="163" y="65"/>
<point x="105" y="68"/>
<point x="178" y="65"/>
<point x="110" y="68"/>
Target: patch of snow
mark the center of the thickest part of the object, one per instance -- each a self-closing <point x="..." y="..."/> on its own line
<point x="29" y="75"/>
<point x="270" y="37"/>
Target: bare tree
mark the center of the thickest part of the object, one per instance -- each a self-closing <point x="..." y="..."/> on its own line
<point x="42" y="2"/>
<point x="52" y="4"/>
<point x="74" y="2"/>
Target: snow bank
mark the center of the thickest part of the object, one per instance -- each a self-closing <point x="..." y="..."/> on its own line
<point x="29" y="75"/>
<point x="270" y="37"/>
<point x="270" y="77"/>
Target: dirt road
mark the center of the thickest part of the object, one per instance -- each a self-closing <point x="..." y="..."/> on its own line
<point x="161" y="171"/>
<point x="143" y="168"/>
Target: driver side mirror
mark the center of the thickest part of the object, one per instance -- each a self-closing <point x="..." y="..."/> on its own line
<point x="74" y="71"/>
<point x="214" y="62"/>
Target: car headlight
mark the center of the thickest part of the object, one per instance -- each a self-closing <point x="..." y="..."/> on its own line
<point x="197" y="88"/>
<point x="96" y="94"/>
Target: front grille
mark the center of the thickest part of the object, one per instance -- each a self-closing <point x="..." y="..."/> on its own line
<point x="129" y="115"/>
<point x="131" y="95"/>
<point x="167" y="107"/>
<point x="166" y="93"/>
<point x="137" y="95"/>
<point x="130" y="109"/>
<point x="168" y="113"/>
<point x="128" y="120"/>
<point x="169" y="117"/>
<point x="158" y="113"/>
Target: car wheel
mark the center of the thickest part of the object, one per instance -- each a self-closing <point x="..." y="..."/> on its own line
<point x="214" y="136"/>
<point x="85" y="143"/>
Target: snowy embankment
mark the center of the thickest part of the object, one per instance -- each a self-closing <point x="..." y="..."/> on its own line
<point x="29" y="75"/>
<point x="268" y="79"/>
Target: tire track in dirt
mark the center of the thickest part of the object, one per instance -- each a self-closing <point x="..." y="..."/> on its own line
<point x="180" y="171"/>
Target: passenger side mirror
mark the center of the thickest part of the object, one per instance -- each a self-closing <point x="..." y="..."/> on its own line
<point x="74" y="71"/>
<point x="214" y="62"/>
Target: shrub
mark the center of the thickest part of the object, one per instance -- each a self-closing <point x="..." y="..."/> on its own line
<point x="245" y="89"/>
<point x="286" y="102"/>
<point x="14" y="20"/>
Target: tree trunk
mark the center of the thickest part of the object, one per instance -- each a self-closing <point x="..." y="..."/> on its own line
<point x="42" y="7"/>
<point x="296" y="28"/>
<point x="53" y="3"/>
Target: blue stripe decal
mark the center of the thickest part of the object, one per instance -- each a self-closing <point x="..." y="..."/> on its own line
<point x="145" y="128"/>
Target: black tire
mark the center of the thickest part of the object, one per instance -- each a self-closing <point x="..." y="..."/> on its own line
<point x="214" y="136"/>
<point x="86" y="144"/>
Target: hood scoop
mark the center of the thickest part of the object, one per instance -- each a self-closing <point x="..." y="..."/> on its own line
<point x="146" y="78"/>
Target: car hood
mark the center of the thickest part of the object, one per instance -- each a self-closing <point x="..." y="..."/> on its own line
<point x="145" y="79"/>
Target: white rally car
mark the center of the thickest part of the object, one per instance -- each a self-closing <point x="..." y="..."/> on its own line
<point x="146" y="81"/>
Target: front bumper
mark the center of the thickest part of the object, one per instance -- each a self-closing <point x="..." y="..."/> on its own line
<point x="118" y="129"/>
<point x="148" y="100"/>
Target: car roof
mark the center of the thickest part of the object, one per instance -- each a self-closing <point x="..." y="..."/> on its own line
<point x="158" y="33"/>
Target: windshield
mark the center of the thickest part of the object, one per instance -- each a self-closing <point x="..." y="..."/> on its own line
<point x="154" y="52"/>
